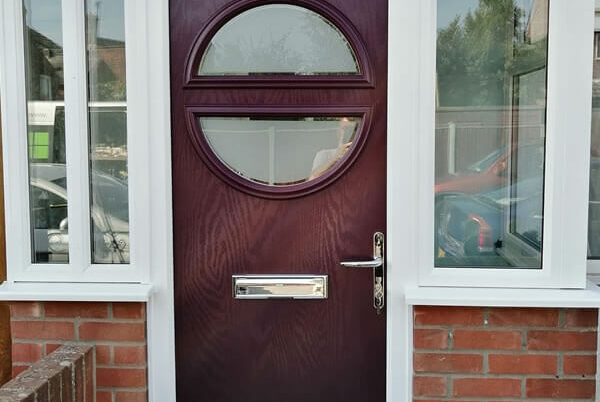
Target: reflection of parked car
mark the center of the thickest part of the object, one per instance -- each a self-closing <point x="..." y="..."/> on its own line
<point x="476" y="225"/>
<point x="49" y="217"/>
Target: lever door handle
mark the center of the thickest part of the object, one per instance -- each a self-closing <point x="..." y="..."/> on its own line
<point x="374" y="263"/>
<point x="378" y="266"/>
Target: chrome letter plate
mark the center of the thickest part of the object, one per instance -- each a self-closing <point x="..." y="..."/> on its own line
<point x="280" y="286"/>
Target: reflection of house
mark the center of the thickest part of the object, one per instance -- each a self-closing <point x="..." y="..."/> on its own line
<point x="537" y="25"/>
<point x="46" y="63"/>
<point x="107" y="66"/>
<point x="106" y="59"/>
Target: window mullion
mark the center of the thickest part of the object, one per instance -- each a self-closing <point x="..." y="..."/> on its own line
<point x="138" y="136"/>
<point x="76" y="133"/>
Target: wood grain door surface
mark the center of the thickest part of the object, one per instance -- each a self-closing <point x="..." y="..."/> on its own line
<point x="277" y="350"/>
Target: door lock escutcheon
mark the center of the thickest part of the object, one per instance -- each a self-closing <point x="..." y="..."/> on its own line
<point x="378" y="266"/>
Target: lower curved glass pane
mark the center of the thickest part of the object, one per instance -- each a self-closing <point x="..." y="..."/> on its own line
<point x="280" y="151"/>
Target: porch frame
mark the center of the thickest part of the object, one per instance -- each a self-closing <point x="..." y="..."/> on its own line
<point x="403" y="255"/>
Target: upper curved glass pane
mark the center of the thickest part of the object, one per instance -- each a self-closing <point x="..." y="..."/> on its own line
<point x="278" y="39"/>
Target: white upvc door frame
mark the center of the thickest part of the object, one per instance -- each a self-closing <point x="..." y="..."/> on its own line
<point x="160" y="308"/>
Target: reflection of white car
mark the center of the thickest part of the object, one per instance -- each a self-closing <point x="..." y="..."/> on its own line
<point x="109" y="216"/>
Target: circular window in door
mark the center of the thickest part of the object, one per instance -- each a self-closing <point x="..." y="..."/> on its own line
<point x="277" y="151"/>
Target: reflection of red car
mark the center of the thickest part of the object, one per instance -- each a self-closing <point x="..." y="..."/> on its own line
<point x="490" y="172"/>
<point x="486" y="174"/>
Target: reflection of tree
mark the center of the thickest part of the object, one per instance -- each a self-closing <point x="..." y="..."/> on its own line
<point x="109" y="126"/>
<point x="278" y="39"/>
<point x="58" y="142"/>
<point x="327" y="36"/>
<point x="252" y="51"/>
<point x="479" y="53"/>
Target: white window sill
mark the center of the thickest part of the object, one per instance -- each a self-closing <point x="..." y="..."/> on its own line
<point x="92" y="292"/>
<point x="486" y="297"/>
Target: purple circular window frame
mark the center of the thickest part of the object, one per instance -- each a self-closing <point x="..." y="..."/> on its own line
<point x="364" y="79"/>
<point x="221" y="170"/>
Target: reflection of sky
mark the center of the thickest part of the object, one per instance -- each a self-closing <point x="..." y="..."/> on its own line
<point x="278" y="38"/>
<point x="45" y="17"/>
<point x="111" y="23"/>
<point x="448" y="9"/>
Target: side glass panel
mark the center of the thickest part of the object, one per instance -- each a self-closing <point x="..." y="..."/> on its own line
<point x="279" y="151"/>
<point x="490" y="133"/>
<point x="278" y="39"/>
<point x="594" y="207"/>
<point x="107" y="131"/>
<point x="46" y="130"/>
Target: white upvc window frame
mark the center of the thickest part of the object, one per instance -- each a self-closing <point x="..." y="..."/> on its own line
<point x="12" y="88"/>
<point x="566" y="178"/>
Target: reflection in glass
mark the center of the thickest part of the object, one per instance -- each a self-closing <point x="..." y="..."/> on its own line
<point x="594" y="207"/>
<point x="107" y="131"/>
<point x="278" y="39"/>
<point x="490" y="133"/>
<point x="46" y="130"/>
<point x="280" y="151"/>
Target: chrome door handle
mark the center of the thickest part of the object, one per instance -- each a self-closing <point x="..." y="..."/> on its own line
<point x="378" y="266"/>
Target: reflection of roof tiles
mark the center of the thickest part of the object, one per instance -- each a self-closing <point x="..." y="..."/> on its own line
<point x="105" y="42"/>
<point x="42" y="40"/>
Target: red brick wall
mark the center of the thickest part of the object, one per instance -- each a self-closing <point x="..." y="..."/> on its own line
<point x="493" y="354"/>
<point x="117" y="329"/>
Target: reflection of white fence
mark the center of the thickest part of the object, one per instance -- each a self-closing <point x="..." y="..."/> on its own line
<point x="273" y="154"/>
<point x="458" y="146"/>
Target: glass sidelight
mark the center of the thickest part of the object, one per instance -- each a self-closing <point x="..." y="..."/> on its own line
<point x="107" y="120"/>
<point x="490" y="133"/>
<point x="44" y="70"/>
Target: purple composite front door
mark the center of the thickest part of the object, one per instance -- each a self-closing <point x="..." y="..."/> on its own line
<point x="279" y="174"/>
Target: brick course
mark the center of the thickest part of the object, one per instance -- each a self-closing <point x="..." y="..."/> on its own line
<point x="117" y="330"/>
<point x="504" y="354"/>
